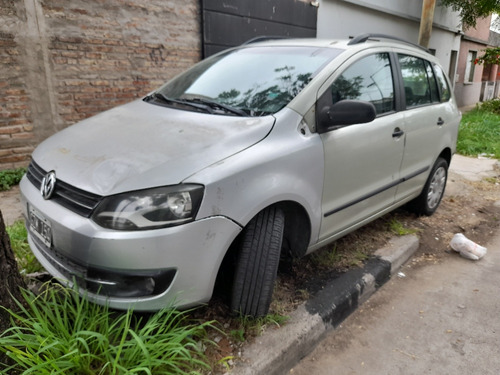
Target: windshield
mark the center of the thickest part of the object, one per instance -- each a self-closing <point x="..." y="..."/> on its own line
<point x="254" y="80"/>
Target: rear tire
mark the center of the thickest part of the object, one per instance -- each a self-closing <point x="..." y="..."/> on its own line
<point x="257" y="263"/>
<point x="428" y="201"/>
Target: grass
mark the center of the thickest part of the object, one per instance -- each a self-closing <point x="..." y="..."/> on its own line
<point x="10" y="177"/>
<point x="251" y="327"/>
<point x="59" y="332"/>
<point x="332" y="257"/>
<point x="479" y="132"/>
<point x="399" y="229"/>
<point x="26" y="261"/>
<point x="327" y="257"/>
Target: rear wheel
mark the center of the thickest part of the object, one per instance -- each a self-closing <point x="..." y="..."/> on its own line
<point x="428" y="201"/>
<point x="257" y="263"/>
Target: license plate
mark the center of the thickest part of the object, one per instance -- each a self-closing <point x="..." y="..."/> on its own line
<point x="40" y="226"/>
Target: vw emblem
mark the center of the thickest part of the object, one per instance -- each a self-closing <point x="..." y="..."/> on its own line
<point x="48" y="185"/>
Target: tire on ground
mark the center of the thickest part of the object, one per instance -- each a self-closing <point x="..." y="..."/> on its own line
<point x="428" y="201"/>
<point x="257" y="263"/>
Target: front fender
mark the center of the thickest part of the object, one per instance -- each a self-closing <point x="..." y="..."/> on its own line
<point x="287" y="165"/>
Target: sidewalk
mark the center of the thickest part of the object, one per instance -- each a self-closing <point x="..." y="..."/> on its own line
<point x="10" y="205"/>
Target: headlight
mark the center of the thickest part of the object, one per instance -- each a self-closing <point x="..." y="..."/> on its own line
<point x="149" y="209"/>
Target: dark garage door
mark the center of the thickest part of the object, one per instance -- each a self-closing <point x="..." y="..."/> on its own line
<point x="228" y="23"/>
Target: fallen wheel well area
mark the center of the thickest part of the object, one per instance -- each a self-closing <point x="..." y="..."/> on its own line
<point x="296" y="237"/>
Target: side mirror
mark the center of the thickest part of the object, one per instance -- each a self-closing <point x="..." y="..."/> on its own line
<point x="345" y="112"/>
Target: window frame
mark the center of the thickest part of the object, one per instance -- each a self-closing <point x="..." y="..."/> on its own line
<point x="446" y="81"/>
<point x="326" y="99"/>
<point x="426" y="62"/>
<point x="470" y="67"/>
<point x="430" y="70"/>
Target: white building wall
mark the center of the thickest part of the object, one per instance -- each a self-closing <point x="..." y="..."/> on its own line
<point x="348" y="18"/>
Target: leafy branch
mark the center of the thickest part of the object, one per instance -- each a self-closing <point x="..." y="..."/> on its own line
<point x="491" y="56"/>
<point x="471" y="10"/>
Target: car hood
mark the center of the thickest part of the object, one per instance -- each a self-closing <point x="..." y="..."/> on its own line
<point x="140" y="145"/>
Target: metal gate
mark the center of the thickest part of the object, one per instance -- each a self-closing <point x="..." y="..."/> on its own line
<point x="228" y="23"/>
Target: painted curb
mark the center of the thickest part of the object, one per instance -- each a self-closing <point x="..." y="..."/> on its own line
<point x="276" y="352"/>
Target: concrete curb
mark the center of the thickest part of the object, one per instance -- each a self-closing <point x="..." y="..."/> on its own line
<point x="275" y="352"/>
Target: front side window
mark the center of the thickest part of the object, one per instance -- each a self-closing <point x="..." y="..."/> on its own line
<point x="368" y="79"/>
<point x="415" y="81"/>
<point x="255" y="81"/>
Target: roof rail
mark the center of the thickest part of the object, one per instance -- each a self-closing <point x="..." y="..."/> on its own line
<point x="364" y="37"/>
<point x="263" y="38"/>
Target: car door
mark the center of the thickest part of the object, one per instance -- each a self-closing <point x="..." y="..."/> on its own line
<point x="362" y="161"/>
<point x="425" y="121"/>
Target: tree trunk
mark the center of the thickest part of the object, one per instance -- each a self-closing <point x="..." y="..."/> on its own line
<point x="10" y="279"/>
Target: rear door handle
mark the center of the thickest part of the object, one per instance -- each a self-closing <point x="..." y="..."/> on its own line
<point x="397" y="133"/>
<point x="440" y="121"/>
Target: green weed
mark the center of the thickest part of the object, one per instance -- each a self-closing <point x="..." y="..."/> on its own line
<point x="60" y="332"/>
<point x="327" y="257"/>
<point x="358" y="258"/>
<point x="489" y="106"/>
<point x="26" y="260"/>
<point x="238" y="334"/>
<point x="398" y="228"/>
<point x="491" y="180"/>
<point x="248" y="326"/>
<point x="10" y="177"/>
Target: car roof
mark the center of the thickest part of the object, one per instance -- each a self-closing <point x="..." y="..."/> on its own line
<point x="360" y="42"/>
<point x="301" y="42"/>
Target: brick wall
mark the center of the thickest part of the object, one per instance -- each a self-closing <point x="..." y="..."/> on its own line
<point x="16" y="127"/>
<point x="62" y="61"/>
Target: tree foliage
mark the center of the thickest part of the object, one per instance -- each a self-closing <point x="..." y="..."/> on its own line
<point x="491" y="56"/>
<point x="471" y="10"/>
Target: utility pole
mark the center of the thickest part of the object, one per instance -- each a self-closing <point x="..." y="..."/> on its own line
<point x="424" y="35"/>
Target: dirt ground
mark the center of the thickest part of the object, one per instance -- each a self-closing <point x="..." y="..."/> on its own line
<point x="469" y="207"/>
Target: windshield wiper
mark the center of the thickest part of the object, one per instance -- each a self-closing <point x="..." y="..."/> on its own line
<point x="157" y="95"/>
<point x="214" y="104"/>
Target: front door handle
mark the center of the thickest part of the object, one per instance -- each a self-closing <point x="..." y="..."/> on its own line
<point x="397" y="133"/>
<point x="440" y="121"/>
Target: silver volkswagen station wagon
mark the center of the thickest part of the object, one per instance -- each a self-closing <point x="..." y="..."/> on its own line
<point x="270" y="149"/>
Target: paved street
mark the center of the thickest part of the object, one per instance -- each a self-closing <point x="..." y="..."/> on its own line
<point x="440" y="319"/>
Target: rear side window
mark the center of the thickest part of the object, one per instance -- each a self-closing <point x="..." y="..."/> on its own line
<point x="416" y="81"/>
<point x="444" y="88"/>
<point x="432" y="82"/>
<point x="368" y="79"/>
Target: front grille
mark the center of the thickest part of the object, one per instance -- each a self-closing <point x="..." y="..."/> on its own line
<point x="70" y="197"/>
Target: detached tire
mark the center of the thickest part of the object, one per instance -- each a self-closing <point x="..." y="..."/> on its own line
<point x="257" y="263"/>
<point x="428" y="201"/>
